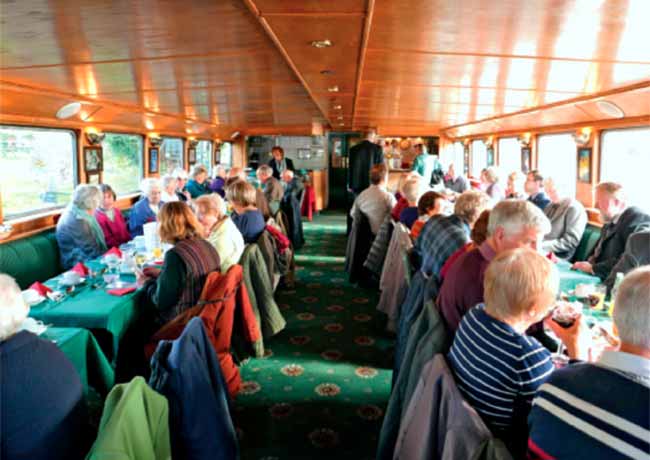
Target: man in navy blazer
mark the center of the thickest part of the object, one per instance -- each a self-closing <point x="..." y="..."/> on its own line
<point x="535" y="188"/>
<point x="621" y="221"/>
<point x="363" y="156"/>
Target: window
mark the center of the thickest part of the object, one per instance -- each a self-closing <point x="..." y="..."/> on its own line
<point x="225" y="154"/>
<point x="509" y="155"/>
<point x="625" y="158"/>
<point x="171" y="154"/>
<point x="204" y="155"/>
<point x="479" y="158"/>
<point x="557" y="159"/>
<point x="122" y="162"/>
<point x="38" y="171"/>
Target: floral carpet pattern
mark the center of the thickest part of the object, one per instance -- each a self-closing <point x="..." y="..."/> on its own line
<point x="322" y="388"/>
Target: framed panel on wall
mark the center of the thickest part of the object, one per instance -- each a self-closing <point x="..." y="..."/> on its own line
<point x="584" y="165"/>
<point x="490" y="156"/>
<point x="153" y="160"/>
<point x="93" y="161"/>
<point x="525" y="160"/>
<point x="191" y="155"/>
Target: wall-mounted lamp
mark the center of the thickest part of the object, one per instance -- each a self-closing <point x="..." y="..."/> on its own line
<point x="154" y="139"/>
<point x="94" y="137"/>
<point x="582" y="136"/>
<point x="234" y="135"/>
<point x="524" y="140"/>
<point x="192" y="142"/>
<point x="489" y="141"/>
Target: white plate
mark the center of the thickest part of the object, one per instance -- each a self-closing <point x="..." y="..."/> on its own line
<point x="63" y="282"/>
<point x="32" y="297"/>
<point x="34" y="326"/>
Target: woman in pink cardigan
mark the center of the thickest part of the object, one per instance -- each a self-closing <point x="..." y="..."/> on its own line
<point x="110" y="219"/>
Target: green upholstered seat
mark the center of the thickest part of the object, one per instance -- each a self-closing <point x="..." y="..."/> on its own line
<point x="587" y="243"/>
<point x="35" y="258"/>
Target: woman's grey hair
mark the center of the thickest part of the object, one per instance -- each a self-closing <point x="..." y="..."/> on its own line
<point x="265" y="170"/>
<point x="412" y="190"/>
<point x="13" y="309"/>
<point x="632" y="312"/>
<point x="198" y="169"/>
<point x="180" y="173"/>
<point x="492" y="174"/>
<point x="167" y="181"/>
<point x="515" y="215"/>
<point x="86" y="196"/>
<point x="148" y="185"/>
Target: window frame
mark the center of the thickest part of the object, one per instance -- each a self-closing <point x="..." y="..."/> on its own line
<point x="601" y="151"/>
<point x="210" y="165"/>
<point x="27" y="215"/>
<point x="575" y="158"/>
<point x="183" y="155"/>
<point x="142" y="161"/>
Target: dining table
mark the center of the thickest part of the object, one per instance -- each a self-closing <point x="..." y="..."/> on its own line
<point x="569" y="278"/>
<point x="83" y="351"/>
<point x="90" y="306"/>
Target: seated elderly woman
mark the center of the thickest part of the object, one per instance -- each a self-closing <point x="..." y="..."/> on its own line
<point x="110" y="219"/>
<point x="43" y="413"/>
<point x="177" y="286"/>
<point x="430" y="204"/>
<point x="220" y="230"/>
<point x="248" y="219"/>
<point x="271" y="187"/>
<point x="568" y="221"/>
<point x="181" y="181"/>
<point x="168" y="192"/>
<point x="412" y="190"/>
<point x="490" y="180"/>
<point x="145" y="210"/>
<point x="516" y="186"/>
<point x="197" y="184"/>
<point x="497" y="366"/>
<point x="218" y="184"/>
<point x="402" y="202"/>
<point x="78" y="234"/>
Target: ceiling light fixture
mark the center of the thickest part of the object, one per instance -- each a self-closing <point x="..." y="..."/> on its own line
<point x="339" y="118"/>
<point x="327" y="72"/>
<point x="337" y="107"/>
<point x="68" y="110"/>
<point x="333" y="89"/>
<point x="234" y="135"/>
<point x="321" y="43"/>
<point x="610" y="109"/>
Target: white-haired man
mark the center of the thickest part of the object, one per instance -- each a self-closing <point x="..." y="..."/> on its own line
<point x="568" y="221"/>
<point x="512" y="224"/>
<point x="293" y="185"/>
<point x="78" y="234"/>
<point x="621" y="221"/>
<point x="600" y="411"/>
<point x="273" y="191"/>
<point x="42" y="415"/>
<point x="146" y="210"/>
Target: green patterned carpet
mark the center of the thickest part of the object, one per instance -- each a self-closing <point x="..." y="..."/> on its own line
<point x="322" y="390"/>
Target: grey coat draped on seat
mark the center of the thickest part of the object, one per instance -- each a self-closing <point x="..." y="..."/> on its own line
<point x="377" y="254"/>
<point x="440" y="425"/>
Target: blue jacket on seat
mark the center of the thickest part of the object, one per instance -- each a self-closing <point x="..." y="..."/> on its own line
<point x="141" y="214"/>
<point x="187" y="372"/>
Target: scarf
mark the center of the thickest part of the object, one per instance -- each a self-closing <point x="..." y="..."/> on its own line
<point x="110" y="213"/>
<point x="281" y="165"/>
<point x="92" y="222"/>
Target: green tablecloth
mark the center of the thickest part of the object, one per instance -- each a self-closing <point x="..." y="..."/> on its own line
<point x="92" y="309"/>
<point x="569" y="279"/>
<point x="82" y="350"/>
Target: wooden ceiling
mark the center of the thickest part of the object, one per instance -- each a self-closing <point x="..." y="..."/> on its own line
<point x="208" y="68"/>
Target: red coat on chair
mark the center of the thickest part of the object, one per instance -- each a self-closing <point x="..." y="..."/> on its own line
<point x="224" y="308"/>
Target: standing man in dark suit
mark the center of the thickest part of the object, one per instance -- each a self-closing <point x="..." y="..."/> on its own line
<point x="362" y="157"/>
<point x="621" y="221"/>
<point x="279" y="163"/>
<point x="535" y="188"/>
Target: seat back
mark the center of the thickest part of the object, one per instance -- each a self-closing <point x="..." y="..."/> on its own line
<point x="134" y="423"/>
<point x="35" y="258"/>
<point x="587" y="243"/>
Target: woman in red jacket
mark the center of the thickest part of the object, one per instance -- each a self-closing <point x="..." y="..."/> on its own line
<point x="110" y="219"/>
